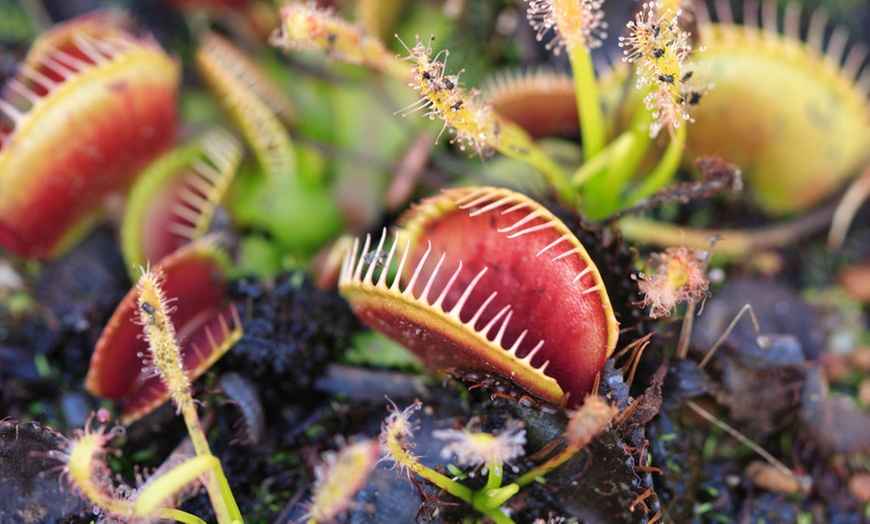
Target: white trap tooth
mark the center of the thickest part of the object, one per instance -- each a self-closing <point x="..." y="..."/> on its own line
<point x="24" y="91"/>
<point x="11" y="111"/>
<point x="189" y="197"/>
<point x="494" y="320"/>
<point x="565" y="254"/>
<point x="81" y="41"/>
<point x="373" y="263"/>
<point x="791" y="23"/>
<point x="494" y="205"/>
<point x="382" y="281"/>
<point x="528" y="358"/>
<point x="591" y="289"/>
<point x="200" y="182"/>
<point x="357" y="274"/>
<point x="485" y="196"/>
<point x="532" y="229"/>
<point x="516" y="345"/>
<point x="440" y="301"/>
<point x="457" y="308"/>
<point x="39" y="78"/>
<point x="724" y="13"/>
<point x="204" y="170"/>
<point x="837" y="46"/>
<point x="476" y="317"/>
<point x="70" y="60"/>
<point x="501" y="330"/>
<point x="523" y="221"/>
<point x="469" y="199"/>
<point x="409" y="290"/>
<point x="184" y="212"/>
<point x="581" y="274"/>
<point x="424" y="297"/>
<point x="395" y="285"/>
<point x="816" y="31"/>
<point x="181" y="230"/>
<point x="517" y="207"/>
<point x="56" y="67"/>
<point x="854" y="60"/>
<point x="348" y="262"/>
<point x="551" y="245"/>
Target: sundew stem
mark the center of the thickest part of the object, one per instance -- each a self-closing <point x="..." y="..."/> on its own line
<point x="166" y="356"/>
<point x="588" y="173"/>
<point x="664" y="171"/>
<point x="554" y="462"/>
<point x="588" y="102"/>
<point x="627" y="162"/>
<point x="406" y="459"/>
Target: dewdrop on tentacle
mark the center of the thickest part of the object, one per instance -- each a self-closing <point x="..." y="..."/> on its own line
<point x="474" y="448"/>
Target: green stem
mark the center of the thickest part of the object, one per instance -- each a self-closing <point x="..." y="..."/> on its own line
<point x="599" y="162"/>
<point x="493" y="480"/>
<point x="664" y="171"/>
<point x="554" y="462"/>
<point x="498" y="517"/>
<point x="604" y="193"/>
<point x="626" y="163"/>
<point x="734" y="243"/>
<point x="177" y="515"/>
<point x="406" y="459"/>
<point x="588" y="102"/>
<point x="225" y="507"/>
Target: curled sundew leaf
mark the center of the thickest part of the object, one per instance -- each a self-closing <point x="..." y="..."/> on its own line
<point x="90" y="106"/>
<point x="488" y="280"/>
<point x="195" y="276"/>
<point x="175" y="199"/>
<point x="784" y="110"/>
